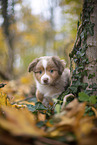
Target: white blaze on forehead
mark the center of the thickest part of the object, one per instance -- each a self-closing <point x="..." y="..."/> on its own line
<point x="45" y="76"/>
<point x="44" y="62"/>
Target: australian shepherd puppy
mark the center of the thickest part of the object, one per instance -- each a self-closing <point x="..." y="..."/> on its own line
<point x="51" y="77"/>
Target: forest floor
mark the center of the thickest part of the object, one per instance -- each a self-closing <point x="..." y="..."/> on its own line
<point x="24" y="121"/>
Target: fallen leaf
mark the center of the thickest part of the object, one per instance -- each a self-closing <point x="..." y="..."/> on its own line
<point x="20" y="122"/>
<point x="41" y="117"/>
<point x="4" y="100"/>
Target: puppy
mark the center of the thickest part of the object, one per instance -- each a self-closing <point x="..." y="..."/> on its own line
<point x="51" y="77"/>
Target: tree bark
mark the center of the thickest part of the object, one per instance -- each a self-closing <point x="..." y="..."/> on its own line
<point x="9" y="37"/>
<point x="91" y="52"/>
<point x="84" y="53"/>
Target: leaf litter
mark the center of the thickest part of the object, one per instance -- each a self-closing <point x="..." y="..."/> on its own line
<point x="25" y="121"/>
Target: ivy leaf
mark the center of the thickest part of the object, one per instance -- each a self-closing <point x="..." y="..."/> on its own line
<point x="91" y="76"/>
<point x="93" y="99"/>
<point x="84" y="85"/>
<point x="40" y="106"/>
<point x="93" y="86"/>
<point x="73" y="89"/>
<point x="82" y="35"/>
<point x="91" y="29"/>
<point x="31" y="107"/>
<point x="88" y="92"/>
<point x="41" y="123"/>
<point x="58" y="108"/>
<point x="83" y="97"/>
<point x="32" y="100"/>
<point x="89" y="111"/>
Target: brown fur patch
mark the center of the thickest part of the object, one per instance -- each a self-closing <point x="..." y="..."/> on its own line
<point x="38" y="68"/>
<point x="33" y="64"/>
<point x="58" y="64"/>
<point x="39" y="96"/>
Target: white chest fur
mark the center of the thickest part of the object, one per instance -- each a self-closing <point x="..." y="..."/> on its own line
<point x="48" y="91"/>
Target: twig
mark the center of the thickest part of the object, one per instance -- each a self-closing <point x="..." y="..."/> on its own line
<point x="22" y="100"/>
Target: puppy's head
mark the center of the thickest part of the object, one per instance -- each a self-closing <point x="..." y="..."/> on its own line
<point x="47" y="69"/>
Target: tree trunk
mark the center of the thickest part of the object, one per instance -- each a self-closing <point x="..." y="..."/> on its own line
<point x="9" y="37"/>
<point x="84" y="53"/>
<point x="91" y="52"/>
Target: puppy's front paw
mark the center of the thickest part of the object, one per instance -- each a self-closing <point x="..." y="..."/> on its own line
<point x="39" y="96"/>
<point x="47" y="102"/>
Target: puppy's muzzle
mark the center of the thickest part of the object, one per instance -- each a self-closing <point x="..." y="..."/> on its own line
<point x="45" y="80"/>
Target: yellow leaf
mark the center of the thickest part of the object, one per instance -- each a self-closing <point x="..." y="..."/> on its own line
<point x="55" y="133"/>
<point x="20" y="122"/>
<point x="3" y="99"/>
<point x="86" y="128"/>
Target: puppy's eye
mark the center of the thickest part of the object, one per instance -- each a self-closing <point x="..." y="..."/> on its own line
<point x="51" y="71"/>
<point x="40" y="72"/>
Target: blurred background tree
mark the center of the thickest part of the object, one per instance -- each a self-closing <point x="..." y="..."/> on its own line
<point x="30" y="29"/>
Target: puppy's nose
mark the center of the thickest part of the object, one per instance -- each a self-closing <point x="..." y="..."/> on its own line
<point x="45" y="80"/>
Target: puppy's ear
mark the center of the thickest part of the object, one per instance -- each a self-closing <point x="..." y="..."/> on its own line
<point x="59" y="63"/>
<point x="63" y="62"/>
<point x="33" y="64"/>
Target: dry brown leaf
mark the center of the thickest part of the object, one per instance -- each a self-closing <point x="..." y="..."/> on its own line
<point x="65" y="121"/>
<point x="41" y="117"/>
<point x="72" y="119"/>
<point x="74" y="107"/>
<point x="20" y="88"/>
